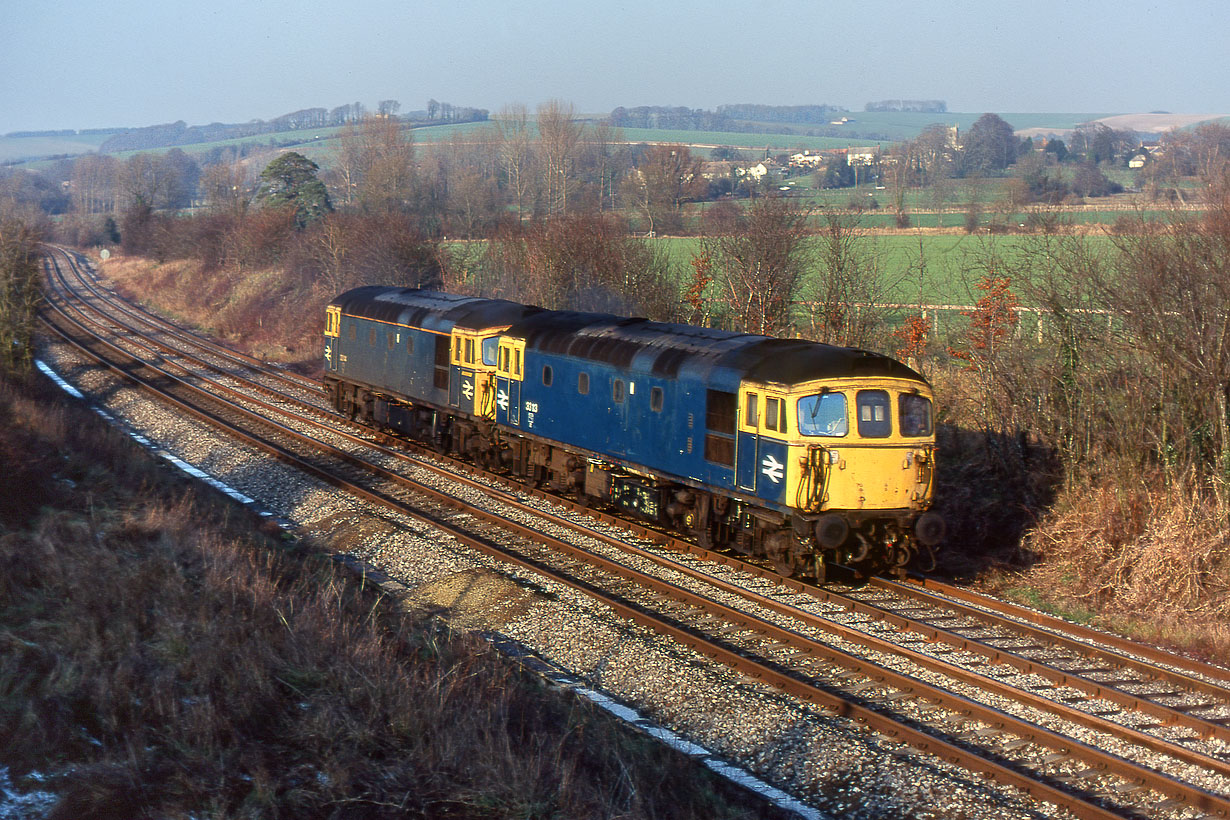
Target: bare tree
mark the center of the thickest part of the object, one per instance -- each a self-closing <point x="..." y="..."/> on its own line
<point x="466" y="173"/>
<point x="580" y="261"/>
<point x="148" y="179"/>
<point x="1171" y="285"/>
<point x="760" y="265"/>
<point x="559" y="135"/>
<point x="516" y="155"/>
<point x="227" y="188"/>
<point x="849" y="284"/>
<point x="94" y="184"/>
<point x="665" y="178"/>
<point x="375" y="165"/>
<point x="608" y="161"/>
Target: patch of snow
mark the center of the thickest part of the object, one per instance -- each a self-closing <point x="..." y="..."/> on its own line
<point x="28" y="806"/>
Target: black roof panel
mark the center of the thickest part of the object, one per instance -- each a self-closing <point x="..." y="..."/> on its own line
<point x="654" y="347"/>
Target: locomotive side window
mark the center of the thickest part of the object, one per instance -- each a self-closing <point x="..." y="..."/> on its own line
<point x="440" y="379"/>
<point x="655" y="399"/>
<point x="583" y="383"/>
<point x="547" y="375"/>
<point x="751" y="414"/>
<point x="720" y="411"/>
<point x="823" y="414"/>
<point x="490" y="346"/>
<point x="617" y="391"/>
<point x="371" y="336"/>
<point x="392" y="340"/>
<point x="914" y="415"/>
<point x="873" y="414"/>
<point x="354" y="331"/>
<point x="409" y="343"/>
<point x="775" y="414"/>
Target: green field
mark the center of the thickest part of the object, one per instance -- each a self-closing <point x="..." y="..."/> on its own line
<point x="17" y="149"/>
<point x="898" y="126"/>
<point x="738" y="140"/>
<point x="953" y="263"/>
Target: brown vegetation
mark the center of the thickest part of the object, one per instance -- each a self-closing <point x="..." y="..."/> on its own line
<point x="161" y="661"/>
<point x="1093" y="453"/>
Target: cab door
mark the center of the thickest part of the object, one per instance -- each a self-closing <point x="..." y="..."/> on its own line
<point x="508" y="383"/>
<point x="749" y="440"/>
<point x="462" y="387"/>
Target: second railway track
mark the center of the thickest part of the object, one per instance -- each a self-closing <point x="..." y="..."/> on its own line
<point x="1103" y="731"/>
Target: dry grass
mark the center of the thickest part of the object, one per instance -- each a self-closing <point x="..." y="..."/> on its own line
<point x="268" y="313"/>
<point x="1154" y="561"/>
<point x="160" y="660"/>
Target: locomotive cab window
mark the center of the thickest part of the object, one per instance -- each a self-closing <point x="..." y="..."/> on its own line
<point x="823" y="414"/>
<point x="490" y="346"/>
<point x="914" y="415"/>
<point x="873" y="414"/>
<point x="751" y="410"/>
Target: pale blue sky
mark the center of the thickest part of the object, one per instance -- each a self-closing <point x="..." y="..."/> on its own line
<point x="87" y="63"/>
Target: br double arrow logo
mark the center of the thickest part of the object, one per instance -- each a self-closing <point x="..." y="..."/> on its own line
<point x="773" y="469"/>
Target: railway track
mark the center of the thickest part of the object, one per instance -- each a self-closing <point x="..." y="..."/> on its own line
<point x="992" y="688"/>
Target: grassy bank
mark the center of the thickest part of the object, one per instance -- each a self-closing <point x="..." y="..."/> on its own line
<point x="160" y="660"/>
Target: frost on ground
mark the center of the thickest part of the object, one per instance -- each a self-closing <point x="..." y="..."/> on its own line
<point x="28" y="806"/>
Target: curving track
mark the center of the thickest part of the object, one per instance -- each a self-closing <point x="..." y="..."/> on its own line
<point x="994" y="688"/>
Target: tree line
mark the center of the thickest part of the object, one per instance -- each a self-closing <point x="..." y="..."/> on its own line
<point x="180" y="133"/>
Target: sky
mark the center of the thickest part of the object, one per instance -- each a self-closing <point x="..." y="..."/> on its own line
<point x="77" y="64"/>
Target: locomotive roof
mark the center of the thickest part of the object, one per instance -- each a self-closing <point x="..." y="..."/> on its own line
<point x="668" y="349"/>
<point x="430" y="309"/>
<point x="718" y="357"/>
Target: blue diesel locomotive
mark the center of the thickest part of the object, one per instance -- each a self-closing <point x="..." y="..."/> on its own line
<point x="786" y="449"/>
